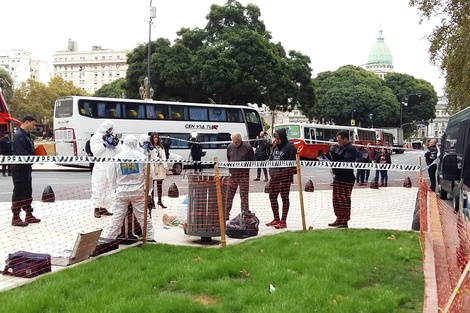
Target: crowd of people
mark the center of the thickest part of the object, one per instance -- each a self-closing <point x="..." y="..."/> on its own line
<point x="115" y="185"/>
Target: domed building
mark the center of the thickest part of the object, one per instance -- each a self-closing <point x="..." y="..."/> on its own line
<point x="380" y="60"/>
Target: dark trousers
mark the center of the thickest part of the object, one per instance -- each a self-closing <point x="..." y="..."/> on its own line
<point x="22" y="188"/>
<point x="432" y="177"/>
<point x="5" y="167"/>
<point x="279" y="186"/>
<point x="197" y="165"/>
<point x="342" y="201"/>
<point x="265" y="170"/>
<point x="235" y="180"/>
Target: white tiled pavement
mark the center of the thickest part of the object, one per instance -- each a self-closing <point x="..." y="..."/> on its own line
<point x="386" y="208"/>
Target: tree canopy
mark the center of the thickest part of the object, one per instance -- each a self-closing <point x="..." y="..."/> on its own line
<point x="232" y="60"/>
<point x="115" y="89"/>
<point x="37" y="98"/>
<point x="353" y="93"/>
<point x="450" y="44"/>
<point x="6" y="85"/>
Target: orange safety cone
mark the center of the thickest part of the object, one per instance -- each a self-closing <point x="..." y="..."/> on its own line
<point x="407" y="182"/>
<point x="40" y="150"/>
<point x="173" y="191"/>
<point x="309" y="186"/>
<point x="48" y="194"/>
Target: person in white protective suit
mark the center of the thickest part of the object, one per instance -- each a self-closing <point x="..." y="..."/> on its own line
<point x="128" y="179"/>
<point x="103" y="143"/>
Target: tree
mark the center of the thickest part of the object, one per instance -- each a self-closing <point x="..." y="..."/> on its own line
<point x="354" y="93"/>
<point x="450" y="43"/>
<point x="37" y="98"/>
<point x="417" y="97"/>
<point x="6" y="85"/>
<point x="115" y="89"/>
<point x="232" y="60"/>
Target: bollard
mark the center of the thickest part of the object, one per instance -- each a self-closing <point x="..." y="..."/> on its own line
<point x="407" y="182"/>
<point x="48" y="194"/>
<point x="173" y="191"/>
<point x="309" y="186"/>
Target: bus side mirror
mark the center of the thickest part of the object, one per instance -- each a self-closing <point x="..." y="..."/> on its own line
<point x="449" y="167"/>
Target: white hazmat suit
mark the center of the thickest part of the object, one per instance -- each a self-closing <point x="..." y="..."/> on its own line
<point x="128" y="179"/>
<point x="101" y="191"/>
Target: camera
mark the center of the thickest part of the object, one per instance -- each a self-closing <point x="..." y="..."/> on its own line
<point x="111" y="139"/>
<point x="147" y="146"/>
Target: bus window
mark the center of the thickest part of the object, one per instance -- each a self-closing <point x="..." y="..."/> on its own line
<point x="64" y="108"/>
<point x="251" y="117"/>
<point x="198" y="114"/>
<point x="178" y="112"/>
<point x="223" y="137"/>
<point x="134" y="111"/>
<point x="234" y="115"/>
<point x="217" y="115"/>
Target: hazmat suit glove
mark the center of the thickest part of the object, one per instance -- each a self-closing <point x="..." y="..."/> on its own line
<point x="108" y="145"/>
<point x="146" y="146"/>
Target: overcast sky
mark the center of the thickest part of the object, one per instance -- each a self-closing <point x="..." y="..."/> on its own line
<point x="331" y="32"/>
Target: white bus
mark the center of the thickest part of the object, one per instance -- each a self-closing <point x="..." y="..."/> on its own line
<point x="76" y="118"/>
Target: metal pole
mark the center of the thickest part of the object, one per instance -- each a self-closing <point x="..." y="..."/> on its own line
<point x="147" y="88"/>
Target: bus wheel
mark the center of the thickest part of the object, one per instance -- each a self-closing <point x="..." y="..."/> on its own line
<point x="177" y="169"/>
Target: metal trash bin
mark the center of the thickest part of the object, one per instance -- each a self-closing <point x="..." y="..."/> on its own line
<point x="203" y="213"/>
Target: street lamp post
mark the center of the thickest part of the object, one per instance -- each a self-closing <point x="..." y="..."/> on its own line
<point x="153" y="14"/>
<point x="371" y="122"/>
<point x="404" y="102"/>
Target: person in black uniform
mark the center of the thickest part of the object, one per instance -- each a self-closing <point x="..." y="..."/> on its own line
<point x="196" y="154"/>
<point x="6" y="149"/>
<point x="21" y="174"/>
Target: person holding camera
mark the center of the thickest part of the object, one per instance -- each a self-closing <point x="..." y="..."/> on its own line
<point x="196" y="154"/>
<point x="261" y="153"/>
<point x="105" y="144"/>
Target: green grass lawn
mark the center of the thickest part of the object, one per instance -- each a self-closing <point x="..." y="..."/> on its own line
<point x="316" y="271"/>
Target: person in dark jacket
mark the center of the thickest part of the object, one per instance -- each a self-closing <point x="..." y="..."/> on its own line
<point x="261" y="154"/>
<point x="430" y="157"/>
<point x="281" y="178"/>
<point x="343" y="180"/>
<point x="21" y="174"/>
<point x="196" y="154"/>
<point x="238" y="151"/>
<point x="383" y="158"/>
<point x="6" y="148"/>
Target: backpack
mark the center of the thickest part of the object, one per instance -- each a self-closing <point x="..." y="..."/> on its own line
<point x="244" y="225"/>
<point x="88" y="148"/>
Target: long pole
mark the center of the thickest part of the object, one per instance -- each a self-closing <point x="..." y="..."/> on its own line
<point x="147" y="94"/>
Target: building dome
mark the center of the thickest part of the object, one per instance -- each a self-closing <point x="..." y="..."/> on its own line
<point x="380" y="53"/>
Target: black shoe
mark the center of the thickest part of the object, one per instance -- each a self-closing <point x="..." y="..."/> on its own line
<point x="97" y="213"/>
<point x="161" y="205"/>
<point x="256" y="179"/>
<point x="266" y="180"/>
<point x="4" y="174"/>
<point x="334" y="224"/>
<point x="342" y="226"/>
<point x="103" y="211"/>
